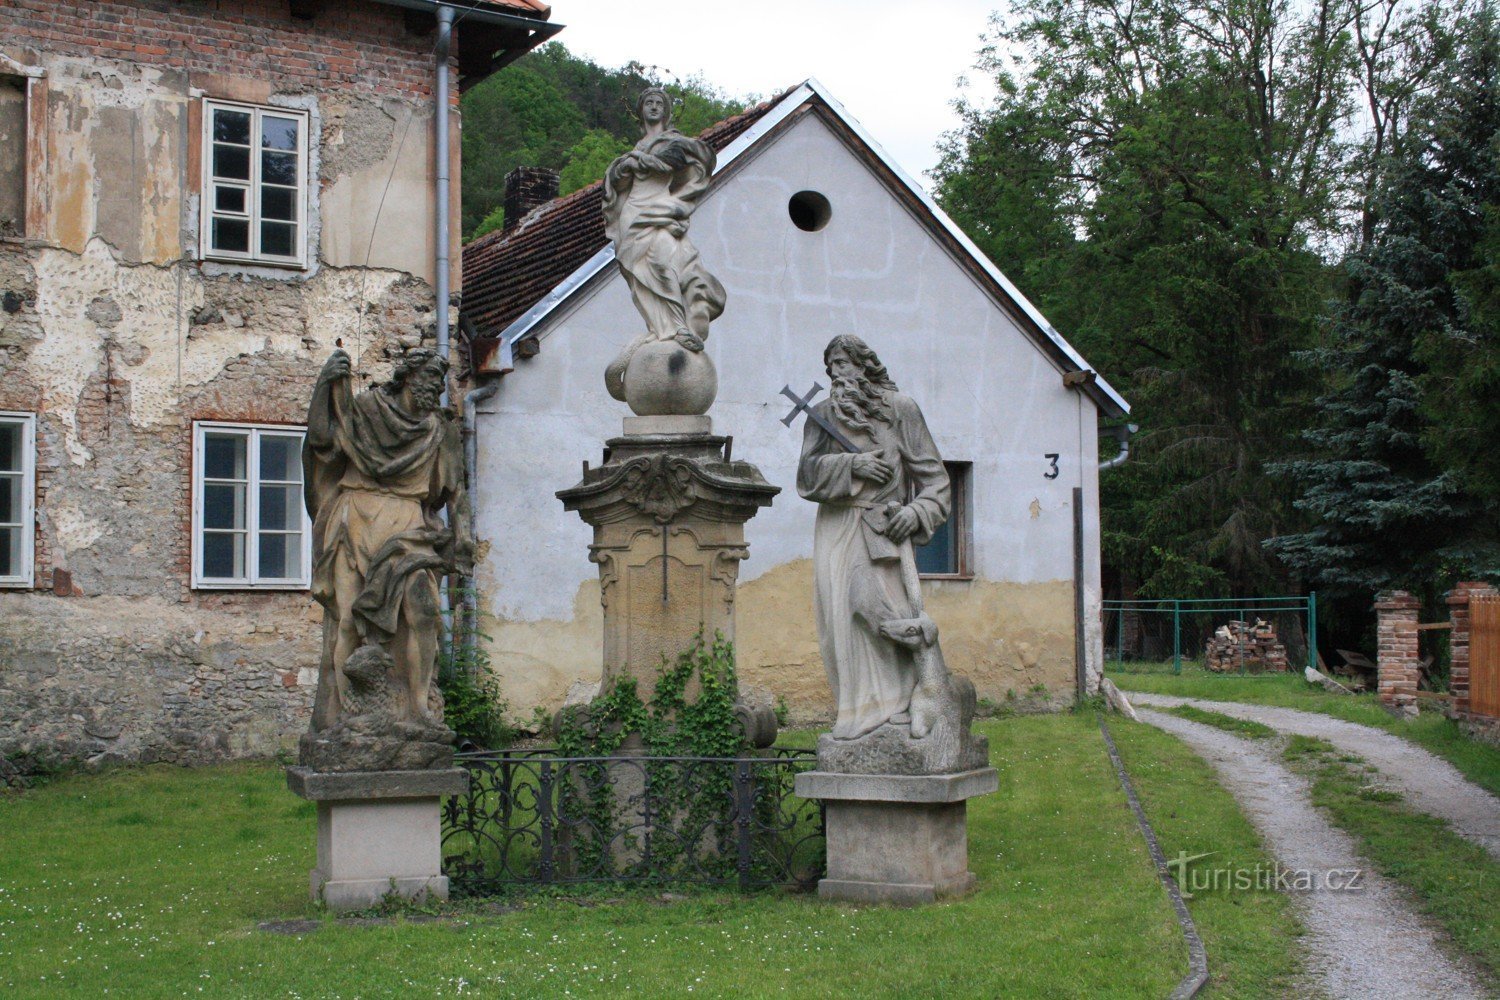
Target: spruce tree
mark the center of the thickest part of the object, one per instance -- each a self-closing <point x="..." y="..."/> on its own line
<point x="1393" y="502"/>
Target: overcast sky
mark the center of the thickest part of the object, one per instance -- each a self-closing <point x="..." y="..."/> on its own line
<point x="894" y="64"/>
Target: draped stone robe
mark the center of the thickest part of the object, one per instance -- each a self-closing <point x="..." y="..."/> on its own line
<point x="649" y="195"/>
<point x="376" y="479"/>
<point x="856" y="568"/>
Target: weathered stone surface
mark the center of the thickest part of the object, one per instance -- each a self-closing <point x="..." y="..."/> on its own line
<point x="381" y="468"/>
<point x="908" y="788"/>
<point x="664" y="370"/>
<point x="696" y="425"/>
<point x="668" y="514"/>
<point x="666" y="378"/>
<point x="1116" y="699"/>
<point x="103" y="680"/>
<point x="369" y="849"/>
<point x="357" y="785"/>
<point x="890" y="750"/>
<point x="374" y="731"/>
<point x="870" y="463"/>
<point x="897" y="839"/>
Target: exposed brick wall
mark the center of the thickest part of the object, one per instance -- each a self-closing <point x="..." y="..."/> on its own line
<point x="348" y="44"/>
<point x="1399" y="655"/>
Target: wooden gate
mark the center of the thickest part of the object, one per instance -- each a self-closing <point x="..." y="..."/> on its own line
<point x="1484" y="655"/>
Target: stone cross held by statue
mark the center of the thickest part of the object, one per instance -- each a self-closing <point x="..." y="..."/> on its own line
<point x="805" y="403"/>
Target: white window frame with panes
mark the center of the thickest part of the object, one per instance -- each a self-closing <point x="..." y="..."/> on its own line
<point x="18" y="512"/>
<point x="254" y="180"/>
<point x="244" y="484"/>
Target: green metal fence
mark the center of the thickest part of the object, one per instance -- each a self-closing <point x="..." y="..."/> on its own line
<point x="1155" y="636"/>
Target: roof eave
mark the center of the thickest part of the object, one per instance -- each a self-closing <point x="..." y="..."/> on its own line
<point x="533" y="31"/>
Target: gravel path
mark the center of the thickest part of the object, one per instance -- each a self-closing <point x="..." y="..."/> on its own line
<point x="1429" y="783"/>
<point x="1368" y="944"/>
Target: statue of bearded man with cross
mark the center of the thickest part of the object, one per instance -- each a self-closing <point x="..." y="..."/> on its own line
<point x="872" y="467"/>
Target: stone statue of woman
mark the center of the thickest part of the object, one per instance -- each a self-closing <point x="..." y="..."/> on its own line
<point x="649" y="193"/>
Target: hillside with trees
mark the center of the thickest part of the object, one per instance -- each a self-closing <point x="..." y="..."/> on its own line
<point x="566" y="113"/>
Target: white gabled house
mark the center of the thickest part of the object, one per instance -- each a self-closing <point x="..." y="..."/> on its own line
<point x="813" y="231"/>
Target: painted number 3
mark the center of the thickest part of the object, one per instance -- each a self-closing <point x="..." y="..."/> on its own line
<point x="1052" y="470"/>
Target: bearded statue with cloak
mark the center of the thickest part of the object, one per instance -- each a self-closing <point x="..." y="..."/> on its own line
<point x="380" y="467"/>
<point x="649" y="194"/>
<point x="874" y="504"/>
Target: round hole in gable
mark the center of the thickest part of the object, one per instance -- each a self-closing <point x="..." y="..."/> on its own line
<point x="809" y="210"/>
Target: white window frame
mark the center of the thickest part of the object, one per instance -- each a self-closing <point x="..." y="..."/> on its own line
<point x="207" y="200"/>
<point x="27" y="577"/>
<point x="252" y="579"/>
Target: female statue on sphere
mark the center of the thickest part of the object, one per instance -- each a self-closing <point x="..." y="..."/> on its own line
<point x="649" y="193"/>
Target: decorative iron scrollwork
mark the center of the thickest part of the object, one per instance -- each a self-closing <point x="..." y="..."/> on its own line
<point x="531" y="817"/>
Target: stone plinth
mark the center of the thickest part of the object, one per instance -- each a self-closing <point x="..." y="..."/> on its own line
<point x="378" y="832"/>
<point x="668" y="508"/>
<point x="896" y="838"/>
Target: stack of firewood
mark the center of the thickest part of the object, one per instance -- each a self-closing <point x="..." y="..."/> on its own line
<point x="1241" y="646"/>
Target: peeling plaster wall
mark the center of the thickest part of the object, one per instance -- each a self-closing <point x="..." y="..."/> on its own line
<point x="123" y="339"/>
<point x="990" y="396"/>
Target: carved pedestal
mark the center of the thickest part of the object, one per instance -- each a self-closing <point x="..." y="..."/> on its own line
<point x="668" y="508"/>
<point x="896" y="838"/>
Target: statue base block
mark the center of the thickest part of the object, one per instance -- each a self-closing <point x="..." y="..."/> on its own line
<point x="379" y="832"/>
<point x="896" y="838"/>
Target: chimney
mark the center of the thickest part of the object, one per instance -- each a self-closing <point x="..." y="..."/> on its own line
<point x="525" y="189"/>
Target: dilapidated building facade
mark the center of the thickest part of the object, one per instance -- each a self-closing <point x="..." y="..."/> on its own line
<point x="199" y="199"/>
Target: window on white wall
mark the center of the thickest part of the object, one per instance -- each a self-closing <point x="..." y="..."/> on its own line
<point x="250" y="527"/>
<point x="254" y="184"/>
<point x="17" y="498"/>
<point x="947" y="554"/>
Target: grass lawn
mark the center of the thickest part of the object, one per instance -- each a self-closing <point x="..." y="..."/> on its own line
<point x="151" y="881"/>
<point x="1479" y="762"/>
<point x="1239" y="727"/>
<point x="1249" y="935"/>
<point x="1454" y="880"/>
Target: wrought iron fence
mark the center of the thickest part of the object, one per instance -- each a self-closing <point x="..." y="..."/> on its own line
<point x="1156" y="636"/>
<point x="532" y="817"/>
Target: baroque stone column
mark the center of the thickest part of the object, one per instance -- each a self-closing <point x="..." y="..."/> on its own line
<point x="668" y="508"/>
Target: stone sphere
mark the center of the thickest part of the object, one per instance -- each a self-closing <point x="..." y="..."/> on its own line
<point x="664" y="378"/>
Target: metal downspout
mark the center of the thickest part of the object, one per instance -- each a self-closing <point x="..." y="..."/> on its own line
<point x="444" y="221"/>
<point x="443" y="275"/>
<point x="1121" y="434"/>
<point x="470" y="636"/>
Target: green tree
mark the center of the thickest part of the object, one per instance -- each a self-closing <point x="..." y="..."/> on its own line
<point x="1155" y="175"/>
<point x="1457" y="178"/>
<point x="588" y="159"/>
<point x="1400" y="493"/>
<point x="518" y="117"/>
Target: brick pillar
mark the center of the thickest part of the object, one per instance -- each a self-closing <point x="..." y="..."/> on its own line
<point x="1458" y="644"/>
<point x="525" y="189"/>
<point x="1399" y="657"/>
